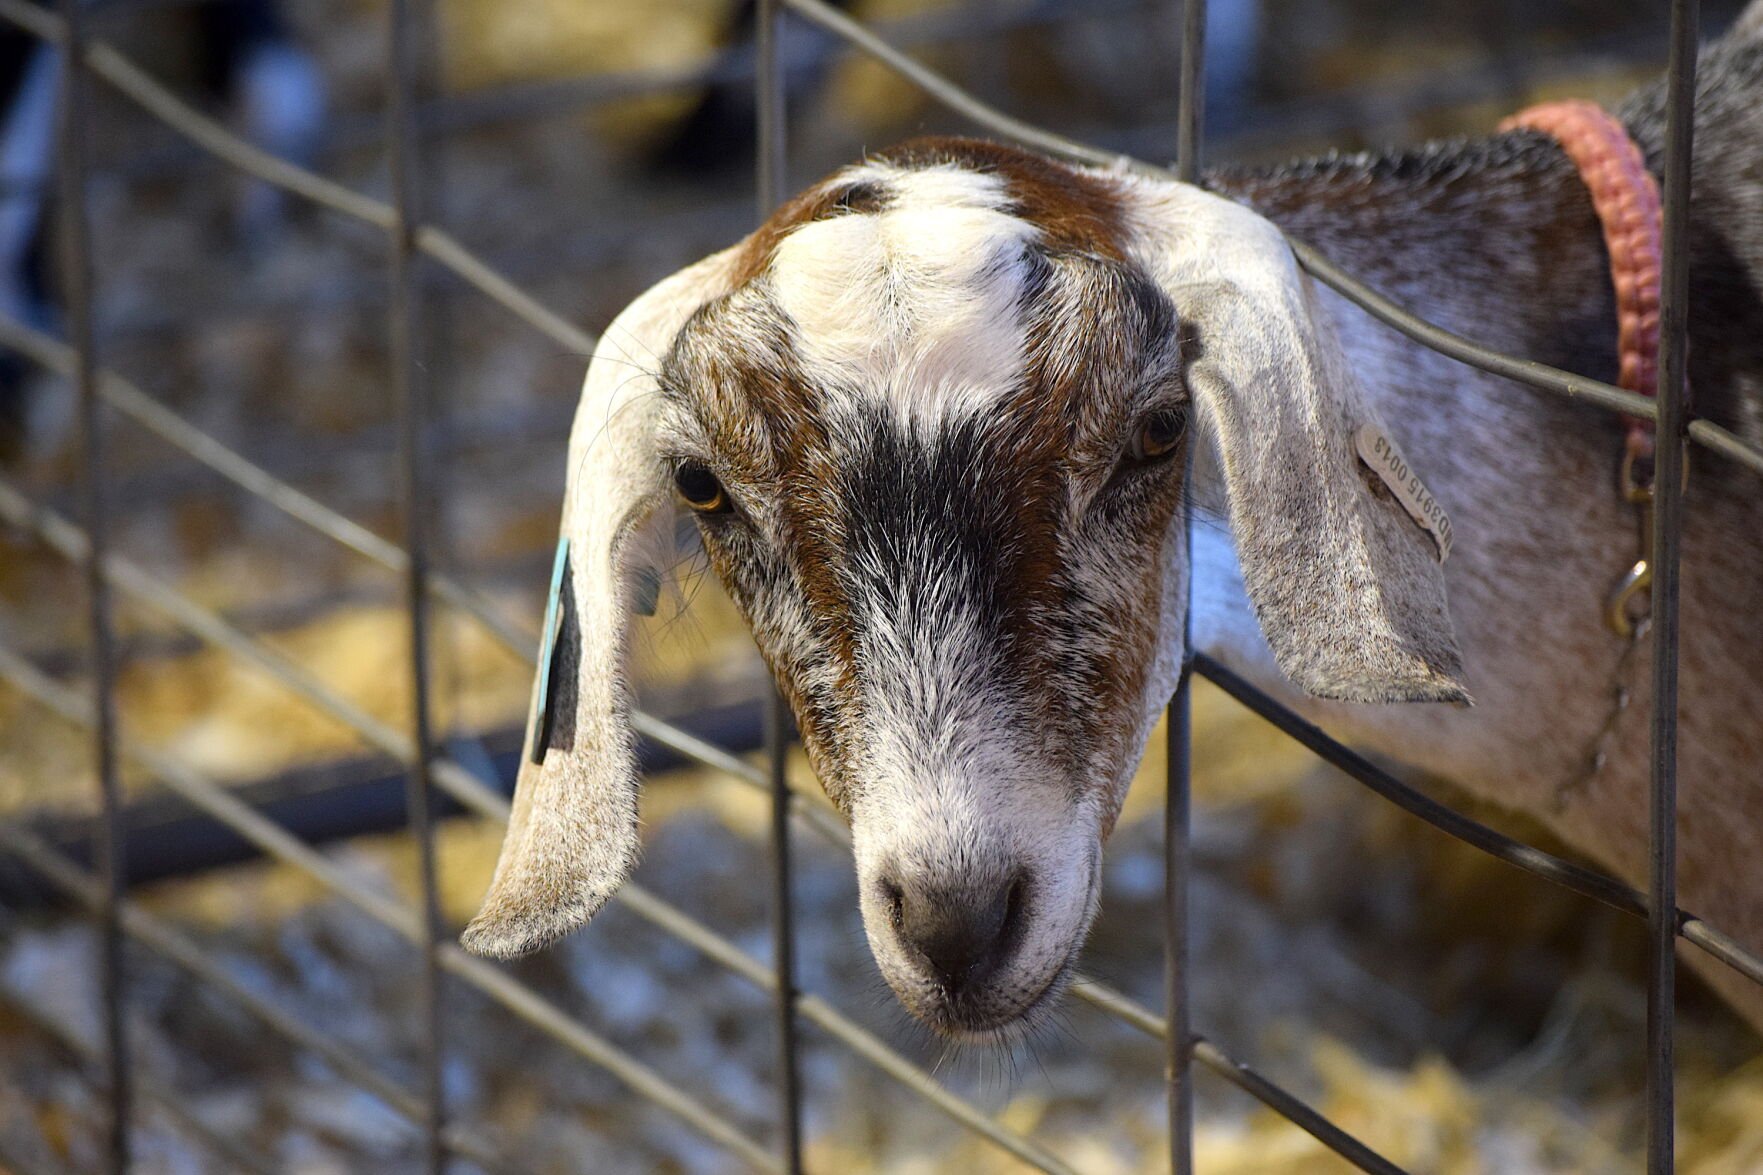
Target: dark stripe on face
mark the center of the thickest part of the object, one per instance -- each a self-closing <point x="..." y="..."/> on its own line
<point x="941" y="518"/>
<point x="985" y="543"/>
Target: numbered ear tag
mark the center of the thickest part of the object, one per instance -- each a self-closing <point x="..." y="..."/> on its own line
<point x="1382" y="457"/>
<point x="544" y="690"/>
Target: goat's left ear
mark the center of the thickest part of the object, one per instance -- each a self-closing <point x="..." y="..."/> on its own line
<point x="1346" y="587"/>
<point x="572" y="835"/>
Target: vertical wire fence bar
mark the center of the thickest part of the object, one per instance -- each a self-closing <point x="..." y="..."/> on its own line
<point x="1191" y="119"/>
<point x="434" y="351"/>
<point x="1178" y="1044"/>
<point x="1177" y="858"/>
<point x="408" y="392"/>
<point x="1667" y="535"/>
<point x="769" y="180"/>
<point x="77" y="259"/>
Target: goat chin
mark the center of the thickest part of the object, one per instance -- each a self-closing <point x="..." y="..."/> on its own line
<point x="1020" y="1025"/>
<point x="980" y="1018"/>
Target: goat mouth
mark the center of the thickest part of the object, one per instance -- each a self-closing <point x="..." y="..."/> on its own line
<point x="979" y="1020"/>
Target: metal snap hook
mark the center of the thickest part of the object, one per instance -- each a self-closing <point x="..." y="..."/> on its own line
<point x="1635" y="582"/>
<point x="1638" y="579"/>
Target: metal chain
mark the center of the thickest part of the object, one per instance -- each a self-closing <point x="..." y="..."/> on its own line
<point x="1621" y="694"/>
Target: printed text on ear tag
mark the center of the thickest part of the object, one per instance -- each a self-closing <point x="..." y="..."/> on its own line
<point x="544" y="690"/>
<point x="1383" y="458"/>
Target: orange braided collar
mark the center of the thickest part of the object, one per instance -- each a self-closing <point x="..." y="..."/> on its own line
<point x="1626" y="198"/>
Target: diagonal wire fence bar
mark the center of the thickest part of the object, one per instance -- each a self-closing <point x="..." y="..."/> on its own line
<point x="134" y="83"/>
<point x="479" y="799"/>
<point x="1590" y="883"/>
<point x="515" y="996"/>
<point x="1668" y="922"/>
<point x="167" y="941"/>
<point x="1528" y="372"/>
<point x="107" y="63"/>
<point x="162" y="1097"/>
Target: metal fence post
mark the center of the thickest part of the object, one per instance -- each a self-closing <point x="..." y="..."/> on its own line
<point x="77" y="259"/>
<point x="416" y="491"/>
<point x="1667" y="534"/>
<point x="1178" y="1043"/>
<point x="769" y="182"/>
<point x="1177" y="859"/>
<point x="1191" y="119"/>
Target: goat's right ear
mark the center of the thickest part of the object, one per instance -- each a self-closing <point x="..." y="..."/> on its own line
<point x="572" y="835"/>
<point x="1346" y="587"/>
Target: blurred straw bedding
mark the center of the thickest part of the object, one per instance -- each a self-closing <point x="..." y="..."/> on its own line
<point x="1453" y="1014"/>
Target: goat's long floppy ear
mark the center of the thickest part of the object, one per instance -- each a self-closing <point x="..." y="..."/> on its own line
<point x="572" y="836"/>
<point x="1346" y="586"/>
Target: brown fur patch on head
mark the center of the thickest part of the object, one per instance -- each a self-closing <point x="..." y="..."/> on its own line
<point x="1075" y="210"/>
<point x="834" y="197"/>
<point x="734" y="367"/>
<point x="1106" y="347"/>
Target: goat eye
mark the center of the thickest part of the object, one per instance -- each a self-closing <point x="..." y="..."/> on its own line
<point x="1159" y="434"/>
<point x="698" y="487"/>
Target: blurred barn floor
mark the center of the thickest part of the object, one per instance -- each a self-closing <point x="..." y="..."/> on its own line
<point x="1455" y="1015"/>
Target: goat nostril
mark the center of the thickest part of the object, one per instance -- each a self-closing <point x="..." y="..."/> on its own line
<point x="895" y="900"/>
<point x="1013" y="903"/>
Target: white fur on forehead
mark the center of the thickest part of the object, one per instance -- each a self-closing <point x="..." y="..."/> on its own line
<point x="917" y="304"/>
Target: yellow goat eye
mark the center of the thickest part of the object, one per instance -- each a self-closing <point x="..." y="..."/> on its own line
<point x="1160" y="433"/>
<point x="698" y="487"/>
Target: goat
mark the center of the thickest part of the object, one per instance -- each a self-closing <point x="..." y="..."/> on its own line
<point x="931" y="420"/>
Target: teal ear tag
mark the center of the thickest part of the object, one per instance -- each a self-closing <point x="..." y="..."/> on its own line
<point x="539" y="738"/>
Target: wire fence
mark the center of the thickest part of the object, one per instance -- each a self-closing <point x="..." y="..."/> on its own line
<point x="412" y="244"/>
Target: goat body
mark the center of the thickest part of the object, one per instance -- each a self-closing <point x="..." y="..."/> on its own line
<point x="1496" y="239"/>
<point x="927" y="419"/>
